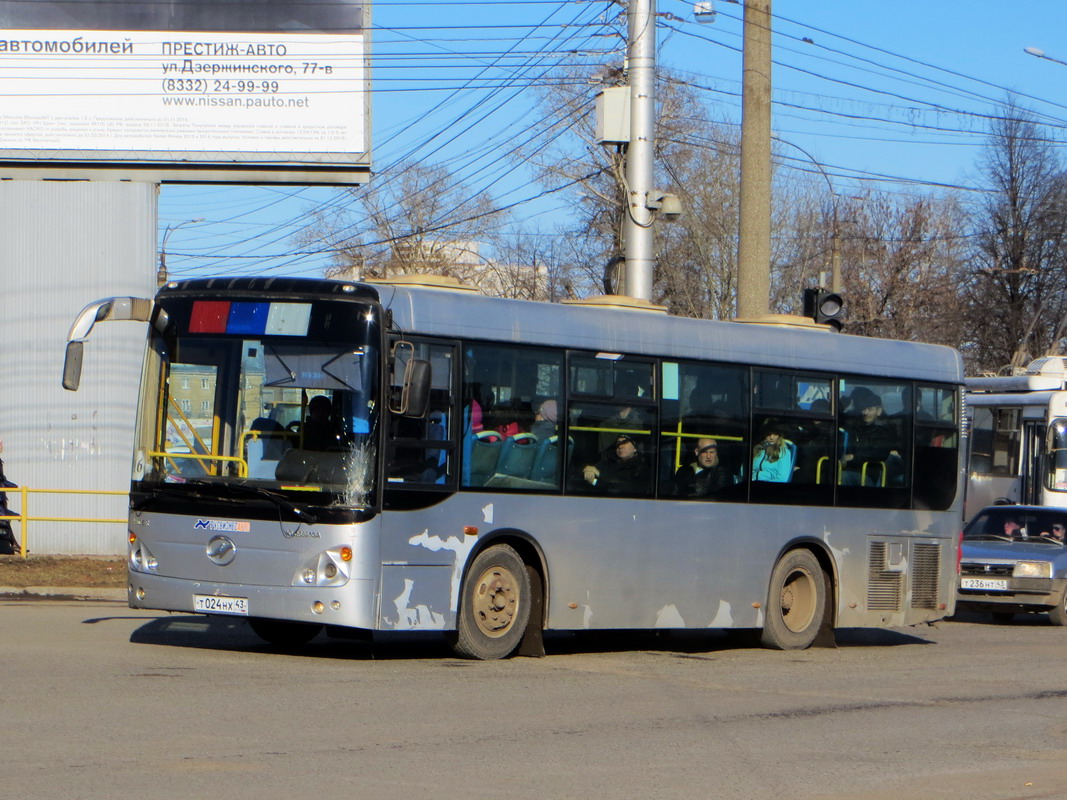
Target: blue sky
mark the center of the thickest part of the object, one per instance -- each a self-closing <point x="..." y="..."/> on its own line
<point x="889" y="96"/>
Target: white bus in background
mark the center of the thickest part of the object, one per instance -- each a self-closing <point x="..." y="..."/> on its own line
<point x="1018" y="437"/>
<point x="456" y="489"/>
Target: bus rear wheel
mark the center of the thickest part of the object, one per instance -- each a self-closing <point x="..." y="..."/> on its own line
<point x="796" y="602"/>
<point x="494" y="605"/>
<point x="283" y="633"/>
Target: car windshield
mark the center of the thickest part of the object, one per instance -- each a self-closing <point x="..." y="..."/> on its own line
<point x="1013" y="524"/>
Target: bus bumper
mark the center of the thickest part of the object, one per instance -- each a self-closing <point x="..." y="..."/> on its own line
<point x="351" y="605"/>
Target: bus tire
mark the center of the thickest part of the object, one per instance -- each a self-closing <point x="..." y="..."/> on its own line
<point x="796" y="602"/>
<point x="494" y="605"/>
<point x="283" y="633"/>
<point x="1058" y="614"/>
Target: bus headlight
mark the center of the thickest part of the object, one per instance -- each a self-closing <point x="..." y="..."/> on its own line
<point x="1032" y="569"/>
<point x="331" y="567"/>
<point x="139" y="557"/>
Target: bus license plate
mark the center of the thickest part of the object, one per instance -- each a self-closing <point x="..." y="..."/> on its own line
<point x="211" y="604"/>
<point x="986" y="584"/>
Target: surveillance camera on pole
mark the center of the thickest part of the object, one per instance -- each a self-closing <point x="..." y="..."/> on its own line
<point x="665" y="204"/>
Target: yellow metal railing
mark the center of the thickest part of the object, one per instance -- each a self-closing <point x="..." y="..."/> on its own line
<point x="24" y="517"/>
<point x="242" y="465"/>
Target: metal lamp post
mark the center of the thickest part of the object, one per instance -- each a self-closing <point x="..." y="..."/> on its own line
<point x="161" y="272"/>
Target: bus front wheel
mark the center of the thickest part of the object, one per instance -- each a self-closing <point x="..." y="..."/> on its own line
<point x="494" y="605"/>
<point x="796" y="602"/>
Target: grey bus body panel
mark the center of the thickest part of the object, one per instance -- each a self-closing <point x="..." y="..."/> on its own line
<point x="459" y="315"/>
<point x="696" y="563"/>
<point x="696" y="559"/>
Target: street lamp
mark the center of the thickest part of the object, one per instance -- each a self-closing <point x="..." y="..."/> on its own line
<point x="161" y="273"/>
<point x="835" y="253"/>
<point x="1037" y="52"/>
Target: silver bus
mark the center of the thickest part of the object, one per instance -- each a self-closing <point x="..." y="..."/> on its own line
<point x="400" y="457"/>
<point x="1018" y="437"/>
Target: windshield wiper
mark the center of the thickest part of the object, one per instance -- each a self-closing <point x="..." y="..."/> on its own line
<point x="274" y="497"/>
<point x="172" y="490"/>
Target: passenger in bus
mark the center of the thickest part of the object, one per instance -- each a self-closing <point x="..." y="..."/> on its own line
<point x="872" y="444"/>
<point x="704" y="477"/>
<point x="545" y="420"/>
<point x="626" y="417"/>
<point x="622" y="470"/>
<point x="510" y="418"/>
<point x="272" y="434"/>
<point x="319" y="431"/>
<point x="772" y="458"/>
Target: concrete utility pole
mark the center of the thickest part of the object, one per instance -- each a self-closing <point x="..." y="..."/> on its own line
<point x="638" y="172"/>
<point x="754" y="246"/>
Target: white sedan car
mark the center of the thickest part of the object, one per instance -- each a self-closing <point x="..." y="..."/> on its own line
<point x="1013" y="560"/>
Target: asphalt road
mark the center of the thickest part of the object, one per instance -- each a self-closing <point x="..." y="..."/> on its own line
<point x="104" y="702"/>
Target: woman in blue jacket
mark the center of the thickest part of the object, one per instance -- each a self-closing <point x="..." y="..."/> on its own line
<point x="772" y="459"/>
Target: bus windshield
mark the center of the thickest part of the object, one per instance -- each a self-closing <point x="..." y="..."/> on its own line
<point x="276" y="395"/>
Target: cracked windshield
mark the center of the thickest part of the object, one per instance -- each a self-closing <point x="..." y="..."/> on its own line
<point x="281" y="414"/>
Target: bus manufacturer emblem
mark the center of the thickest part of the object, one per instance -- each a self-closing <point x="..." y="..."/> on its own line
<point x="221" y="550"/>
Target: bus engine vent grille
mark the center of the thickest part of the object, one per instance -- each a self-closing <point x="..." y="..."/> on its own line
<point x="926" y="566"/>
<point x="885" y="586"/>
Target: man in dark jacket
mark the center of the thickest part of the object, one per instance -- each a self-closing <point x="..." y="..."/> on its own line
<point x="704" y="477"/>
<point x="621" y="471"/>
<point x="872" y="444"/>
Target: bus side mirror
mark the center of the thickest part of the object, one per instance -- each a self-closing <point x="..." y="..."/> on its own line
<point x="416" y="393"/>
<point x="72" y="366"/>
<point x="112" y="308"/>
<point x="412" y="398"/>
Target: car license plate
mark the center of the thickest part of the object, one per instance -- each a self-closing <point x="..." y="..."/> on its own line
<point x="212" y="604"/>
<point x="986" y="584"/>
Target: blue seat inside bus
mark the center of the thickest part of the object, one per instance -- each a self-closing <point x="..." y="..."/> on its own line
<point x="517" y="455"/>
<point x="483" y="457"/>
<point x="546" y="461"/>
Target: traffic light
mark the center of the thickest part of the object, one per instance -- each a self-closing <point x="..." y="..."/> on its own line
<point x="826" y="308"/>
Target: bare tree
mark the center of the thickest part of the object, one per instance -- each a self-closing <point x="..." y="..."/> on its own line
<point x="696" y="159"/>
<point x="419" y="219"/>
<point x="1016" y="291"/>
<point x="902" y="264"/>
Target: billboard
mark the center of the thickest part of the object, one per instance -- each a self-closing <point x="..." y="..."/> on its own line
<point x="186" y="90"/>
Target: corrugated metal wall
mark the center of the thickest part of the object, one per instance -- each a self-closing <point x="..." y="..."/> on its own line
<point x="64" y="244"/>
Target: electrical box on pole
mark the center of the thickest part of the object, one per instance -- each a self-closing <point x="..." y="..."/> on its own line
<point x="613" y="115"/>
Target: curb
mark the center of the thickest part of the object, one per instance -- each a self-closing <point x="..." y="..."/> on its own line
<point x="64" y="593"/>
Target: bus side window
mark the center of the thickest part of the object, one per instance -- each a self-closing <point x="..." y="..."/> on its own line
<point x="612" y="415"/>
<point x="936" y="447"/>
<point x="875" y="448"/>
<point x="512" y="426"/>
<point x="421" y="450"/>
<point x="703" y="405"/>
